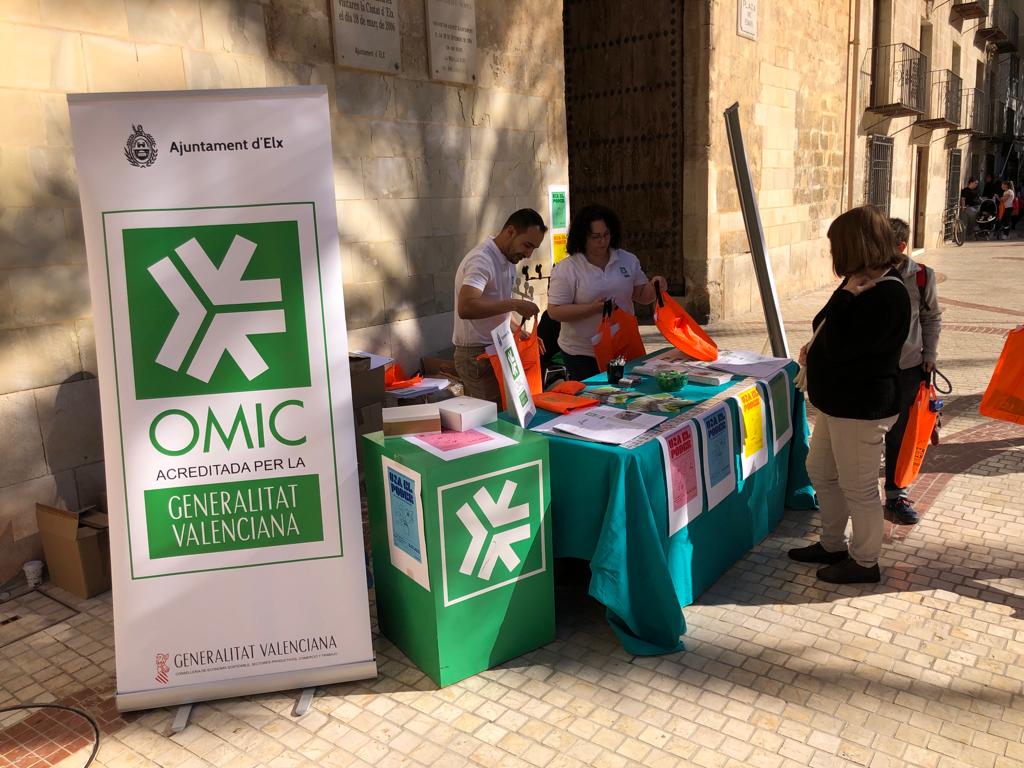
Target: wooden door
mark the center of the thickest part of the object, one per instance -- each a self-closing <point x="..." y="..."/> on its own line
<point x="623" y="99"/>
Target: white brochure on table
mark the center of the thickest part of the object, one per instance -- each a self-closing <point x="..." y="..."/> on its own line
<point x="753" y="430"/>
<point x="682" y="476"/>
<point x="778" y="392"/>
<point x="458" y="445"/>
<point x="719" y="455"/>
<point x="743" y="363"/>
<point x="603" y="424"/>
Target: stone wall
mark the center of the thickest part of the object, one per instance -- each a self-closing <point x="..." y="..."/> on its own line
<point x="423" y="171"/>
<point x="804" y="88"/>
<point x="791" y="87"/>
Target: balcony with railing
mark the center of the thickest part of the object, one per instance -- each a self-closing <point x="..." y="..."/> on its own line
<point x="1001" y="27"/>
<point x="899" y="81"/>
<point x="943" y="108"/>
<point x="970" y="9"/>
<point x="997" y="121"/>
<point x="974" y="115"/>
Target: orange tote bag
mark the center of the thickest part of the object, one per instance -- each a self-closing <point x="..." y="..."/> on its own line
<point x="917" y="435"/>
<point x="529" y="353"/>
<point x="617" y="335"/>
<point x="1004" y="397"/>
<point x="681" y="330"/>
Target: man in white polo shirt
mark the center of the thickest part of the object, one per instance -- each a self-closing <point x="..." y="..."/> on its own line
<point x="483" y="297"/>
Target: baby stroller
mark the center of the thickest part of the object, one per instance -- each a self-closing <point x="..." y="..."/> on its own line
<point x="987" y="220"/>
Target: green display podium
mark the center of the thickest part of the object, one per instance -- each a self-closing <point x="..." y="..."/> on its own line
<point x="461" y="547"/>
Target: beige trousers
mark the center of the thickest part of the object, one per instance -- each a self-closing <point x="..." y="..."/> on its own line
<point x="478" y="379"/>
<point x="843" y="463"/>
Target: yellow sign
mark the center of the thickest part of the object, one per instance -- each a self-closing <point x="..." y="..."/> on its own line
<point x="753" y="422"/>
<point x="558" y="242"/>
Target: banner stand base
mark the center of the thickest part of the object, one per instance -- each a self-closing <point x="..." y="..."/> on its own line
<point x="304" y="703"/>
<point x="249" y="686"/>
<point x="181" y="718"/>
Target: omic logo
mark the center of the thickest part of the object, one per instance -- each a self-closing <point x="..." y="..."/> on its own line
<point x="227" y="332"/>
<point x="498" y="514"/>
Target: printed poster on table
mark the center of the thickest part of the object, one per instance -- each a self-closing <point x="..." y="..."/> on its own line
<point x="682" y="476"/>
<point x="753" y="431"/>
<point x="457" y="445"/>
<point x="403" y="506"/>
<point x="779" y="394"/>
<point x="517" y="388"/>
<point x="719" y="454"/>
<point x="212" y="244"/>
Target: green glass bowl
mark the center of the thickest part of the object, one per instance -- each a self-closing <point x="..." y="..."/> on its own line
<point x="670" y="381"/>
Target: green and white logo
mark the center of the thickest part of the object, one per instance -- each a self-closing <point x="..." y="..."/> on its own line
<point x="492" y="531"/>
<point x="216" y="308"/>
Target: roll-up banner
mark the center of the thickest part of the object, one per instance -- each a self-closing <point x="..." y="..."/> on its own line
<point x="235" y="527"/>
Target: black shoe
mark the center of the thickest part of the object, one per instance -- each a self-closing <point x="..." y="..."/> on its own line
<point x="850" y="572"/>
<point x="816" y="553"/>
<point x="901" y="512"/>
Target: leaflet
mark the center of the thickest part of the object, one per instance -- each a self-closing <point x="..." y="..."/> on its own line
<point x="603" y="424"/>
<point x="457" y="445"/>
<point x="682" y="476"/>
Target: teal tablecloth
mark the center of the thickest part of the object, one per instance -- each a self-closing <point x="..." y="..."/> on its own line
<point x="609" y="505"/>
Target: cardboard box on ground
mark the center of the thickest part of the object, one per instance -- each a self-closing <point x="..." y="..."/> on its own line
<point x="76" y="546"/>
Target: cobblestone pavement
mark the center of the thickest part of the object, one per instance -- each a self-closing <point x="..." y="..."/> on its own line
<point x="924" y="669"/>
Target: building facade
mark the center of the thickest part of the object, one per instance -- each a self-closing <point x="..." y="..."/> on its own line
<point x="841" y="102"/>
<point x="423" y="171"/>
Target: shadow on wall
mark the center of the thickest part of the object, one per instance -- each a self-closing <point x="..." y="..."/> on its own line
<point x="441" y="168"/>
<point x="69" y="467"/>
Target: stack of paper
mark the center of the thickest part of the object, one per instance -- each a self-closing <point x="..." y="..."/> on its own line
<point x="602" y="424"/>
<point x="744" y="363"/>
<point x="423" y="388"/>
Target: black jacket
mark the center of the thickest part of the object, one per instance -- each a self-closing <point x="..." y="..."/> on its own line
<point x="853" y="365"/>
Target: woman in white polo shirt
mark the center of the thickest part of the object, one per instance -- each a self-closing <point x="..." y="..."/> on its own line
<point x="595" y="270"/>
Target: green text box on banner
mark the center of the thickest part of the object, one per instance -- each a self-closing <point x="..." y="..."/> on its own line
<point x="221" y="517"/>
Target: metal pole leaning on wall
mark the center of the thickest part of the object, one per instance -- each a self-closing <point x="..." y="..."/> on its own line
<point x="755" y="234"/>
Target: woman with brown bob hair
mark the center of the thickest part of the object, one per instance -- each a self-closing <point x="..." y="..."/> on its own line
<point x="852" y="366"/>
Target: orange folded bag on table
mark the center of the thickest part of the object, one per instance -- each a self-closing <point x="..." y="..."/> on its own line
<point x="529" y="354"/>
<point x="396" y="378"/>
<point x="1004" y="397"/>
<point x="559" y="402"/>
<point x="617" y="335"/>
<point x="681" y="330"/>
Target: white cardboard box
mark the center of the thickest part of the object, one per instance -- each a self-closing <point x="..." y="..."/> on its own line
<point x="463" y="413"/>
<point x="411" y="420"/>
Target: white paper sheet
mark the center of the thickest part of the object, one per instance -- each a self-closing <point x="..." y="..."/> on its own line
<point x="603" y="424"/>
<point x="457" y="445"/>
<point x="744" y="363"/>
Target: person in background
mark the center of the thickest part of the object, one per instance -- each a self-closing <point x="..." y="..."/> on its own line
<point x="991" y="189"/>
<point x="917" y="361"/>
<point x="969" y="202"/>
<point x="596" y="269"/>
<point x="1006" y="201"/>
<point x="483" y="298"/>
<point x="852" y="368"/>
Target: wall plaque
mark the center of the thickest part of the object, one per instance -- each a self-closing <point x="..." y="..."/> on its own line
<point x="451" y="31"/>
<point x="746" y="19"/>
<point x="366" y="35"/>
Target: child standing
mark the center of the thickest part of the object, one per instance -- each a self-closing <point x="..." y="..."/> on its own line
<point x="917" y="361"/>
